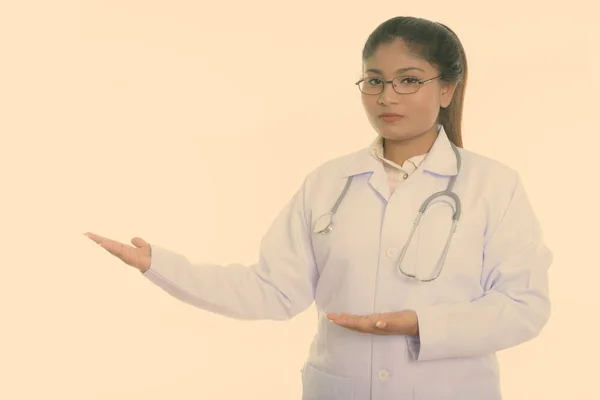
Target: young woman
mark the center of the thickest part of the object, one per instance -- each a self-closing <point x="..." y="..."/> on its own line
<point x="423" y="259"/>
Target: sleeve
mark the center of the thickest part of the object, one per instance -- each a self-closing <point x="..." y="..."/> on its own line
<point x="279" y="286"/>
<point x="515" y="306"/>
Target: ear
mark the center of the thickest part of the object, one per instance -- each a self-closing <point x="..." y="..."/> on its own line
<point x="446" y="94"/>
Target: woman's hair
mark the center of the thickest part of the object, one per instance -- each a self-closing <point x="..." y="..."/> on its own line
<point x="440" y="46"/>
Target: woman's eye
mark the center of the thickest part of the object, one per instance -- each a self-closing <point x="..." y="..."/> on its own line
<point x="374" y="81"/>
<point x="410" y="81"/>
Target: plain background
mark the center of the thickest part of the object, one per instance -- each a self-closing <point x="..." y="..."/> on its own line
<point x="191" y="125"/>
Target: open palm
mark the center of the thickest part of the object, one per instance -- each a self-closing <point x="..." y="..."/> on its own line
<point x="138" y="256"/>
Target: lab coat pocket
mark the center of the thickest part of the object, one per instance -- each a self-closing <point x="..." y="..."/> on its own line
<point x="319" y="385"/>
<point x="452" y="379"/>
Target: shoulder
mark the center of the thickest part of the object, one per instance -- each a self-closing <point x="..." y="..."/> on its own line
<point x="335" y="168"/>
<point x="484" y="169"/>
<point x="494" y="183"/>
<point x="327" y="180"/>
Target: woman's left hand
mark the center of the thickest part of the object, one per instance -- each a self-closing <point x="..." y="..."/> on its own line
<point x="393" y="323"/>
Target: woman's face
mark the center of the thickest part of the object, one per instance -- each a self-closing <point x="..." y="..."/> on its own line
<point x="419" y="110"/>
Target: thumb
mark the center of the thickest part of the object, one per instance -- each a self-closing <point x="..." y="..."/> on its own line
<point x="393" y="322"/>
<point x="144" y="256"/>
<point x="139" y="242"/>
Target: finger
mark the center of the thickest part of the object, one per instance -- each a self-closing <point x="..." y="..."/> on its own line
<point x="362" y="326"/>
<point x="365" y="324"/>
<point x="96" y="238"/>
<point x="354" y="321"/>
<point x="136" y="241"/>
<point x="118" y="249"/>
<point x="126" y="253"/>
<point x="340" y="318"/>
<point x="108" y="244"/>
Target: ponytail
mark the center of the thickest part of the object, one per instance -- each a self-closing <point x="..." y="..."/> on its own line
<point x="451" y="117"/>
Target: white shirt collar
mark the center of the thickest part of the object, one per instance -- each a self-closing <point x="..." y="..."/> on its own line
<point x="409" y="165"/>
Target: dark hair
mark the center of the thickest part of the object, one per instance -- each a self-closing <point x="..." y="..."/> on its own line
<point x="440" y="46"/>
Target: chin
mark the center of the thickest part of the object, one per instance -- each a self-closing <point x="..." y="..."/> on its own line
<point x="396" y="134"/>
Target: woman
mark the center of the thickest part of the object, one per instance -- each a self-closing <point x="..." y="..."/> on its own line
<point x="402" y="314"/>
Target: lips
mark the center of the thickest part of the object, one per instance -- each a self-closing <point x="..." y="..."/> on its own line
<point x="390" y="118"/>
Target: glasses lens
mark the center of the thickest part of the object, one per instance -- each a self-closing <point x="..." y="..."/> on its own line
<point x="406" y="85"/>
<point x="402" y="85"/>
<point x="370" y="85"/>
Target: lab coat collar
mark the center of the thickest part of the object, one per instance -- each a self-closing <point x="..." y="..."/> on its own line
<point x="441" y="159"/>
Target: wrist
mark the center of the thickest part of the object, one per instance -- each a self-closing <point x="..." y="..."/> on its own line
<point x="414" y="331"/>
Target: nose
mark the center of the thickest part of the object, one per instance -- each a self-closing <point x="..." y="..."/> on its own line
<point x="389" y="95"/>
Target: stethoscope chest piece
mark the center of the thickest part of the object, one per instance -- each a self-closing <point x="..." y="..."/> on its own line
<point x="324" y="224"/>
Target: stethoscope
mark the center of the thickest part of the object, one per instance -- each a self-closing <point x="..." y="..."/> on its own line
<point x="324" y="224"/>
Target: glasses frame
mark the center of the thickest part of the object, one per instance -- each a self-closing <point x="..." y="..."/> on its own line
<point x="420" y="82"/>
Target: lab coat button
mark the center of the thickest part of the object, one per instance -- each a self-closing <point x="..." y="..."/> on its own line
<point x="391" y="252"/>
<point x="384" y="375"/>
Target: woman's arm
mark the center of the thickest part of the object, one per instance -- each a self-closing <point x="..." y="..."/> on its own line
<point x="279" y="286"/>
<point x="515" y="306"/>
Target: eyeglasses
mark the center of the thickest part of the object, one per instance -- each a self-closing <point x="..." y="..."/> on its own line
<point x="401" y="84"/>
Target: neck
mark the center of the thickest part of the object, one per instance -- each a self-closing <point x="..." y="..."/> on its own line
<point x="398" y="151"/>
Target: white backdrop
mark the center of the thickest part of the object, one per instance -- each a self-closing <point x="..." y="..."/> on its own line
<point x="191" y="125"/>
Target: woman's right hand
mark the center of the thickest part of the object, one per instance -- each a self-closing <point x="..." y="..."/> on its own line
<point x="138" y="257"/>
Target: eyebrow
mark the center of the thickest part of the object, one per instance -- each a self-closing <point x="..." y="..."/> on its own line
<point x="398" y="71"/>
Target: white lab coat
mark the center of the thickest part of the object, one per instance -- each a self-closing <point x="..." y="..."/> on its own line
<point x="492" y="293"/>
